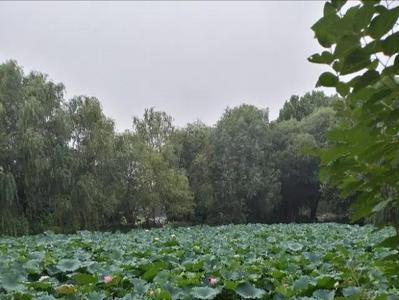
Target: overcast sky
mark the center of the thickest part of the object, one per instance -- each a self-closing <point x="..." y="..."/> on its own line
<point x="190" y="59"/>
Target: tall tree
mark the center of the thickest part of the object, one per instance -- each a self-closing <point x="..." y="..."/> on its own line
<point x="37" y="137"/>
<point x="192" y="146"/>
<point x="299" y="182"/>
<point x="154" y="128"/>
<point x="93" y="150"/>
<point x="300" y="186"/>
<point x="163" y="188"/>
<point x="300" y="107"/>
<point x="245" y="179"/>
<point x="11" y="102"/>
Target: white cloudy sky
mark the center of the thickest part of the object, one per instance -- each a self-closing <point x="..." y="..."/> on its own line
<point x="191" y="59"/>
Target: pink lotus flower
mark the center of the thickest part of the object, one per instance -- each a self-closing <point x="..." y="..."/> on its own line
<point x="107" y="279"/>
<point x="212" y="281"/>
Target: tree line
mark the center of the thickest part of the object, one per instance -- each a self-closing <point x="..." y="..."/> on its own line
<point x="64" y="167"/>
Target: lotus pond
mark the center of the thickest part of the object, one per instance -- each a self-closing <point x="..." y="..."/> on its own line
<point x="319" y="261"/>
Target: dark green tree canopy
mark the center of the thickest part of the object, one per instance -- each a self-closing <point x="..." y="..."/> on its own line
<point x="64" y="167"/>
<point x="300" y="107"/>
<point x="154" y="128"/>
<point x="246" y="184"/>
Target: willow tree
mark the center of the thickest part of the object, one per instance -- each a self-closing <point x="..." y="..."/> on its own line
<point x="92" y="141"/>
<point x="11" y="98"/>
<point x="192" y="147"/>
<point x="35" y="138"/>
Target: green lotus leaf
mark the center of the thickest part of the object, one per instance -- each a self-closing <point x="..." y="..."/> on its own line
<point x="351" y="291"/>
<point x="140" y="286"/>
<point x="324" y="295"/>
<point x="304" y="283"/>
<point x="294" y="246"/>
<point x="248" y="291"/>
<point x="41" y="285"/>
<point x="96" y="296"/>
<point x="12" y="281"/>
<point x="84" y="279"/>
<point x="68" y="265"/>
<point x="45" y="297"/>
<point x="205" y="292"/>
<point x="66" y="289"/>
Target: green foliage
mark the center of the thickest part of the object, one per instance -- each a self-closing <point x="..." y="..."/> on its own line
<point x="92" y="141"/>
<point x="245" y="180"/>
<point x="192" y="148"/>
<point x="63" y="167"/>
<point x="300" y="107"/>
<point x="8" y="188"/>
<point x="361" y="157"/>
<point x="68" y="265"/>
<point x="204" y="293"/>
<point x="245" y="262"/>
<point x="248" y="291"/>
<point x="154" y="129"/>
<point x="300" y="185"/>
<point x="162" y="188"/>
<point x="33" y="141"/>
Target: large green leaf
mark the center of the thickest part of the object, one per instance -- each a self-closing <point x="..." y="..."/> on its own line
<point x="33" y="266"/>
<point x="369" y="77"/>
<point x="325" y="30"/>
<point x="293" y="246"/>
<point x="390" y="45"/>
<point x="304" y="282"/>
<point x="338" y="3"/>
<point x="140" y="286"/>
<point x="248" y="291"/>
<point x="356" y="60"/>
<point x="323" y="295"/>
<point x="327" y="79"/>
<point x="12" y="281"/>
<point x="66" y="290"/>
<point x="84" y="279"/>
<point x="363" y="206"/>
<point x="68" y="265"/>
<point x="392" y="242"/>
<point x="96" y="296"/>
<point x="204" y="292"/>
<point x="46" y="297"/>
<point x="325" y="58"/>
<point x="153" y="269"/>
<point x="351" y="291"/>
<point x="326" y="282"/>
<point x="346" y="44"/>
<point x="383" y="22"/>
<point x="363" y="16"/>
